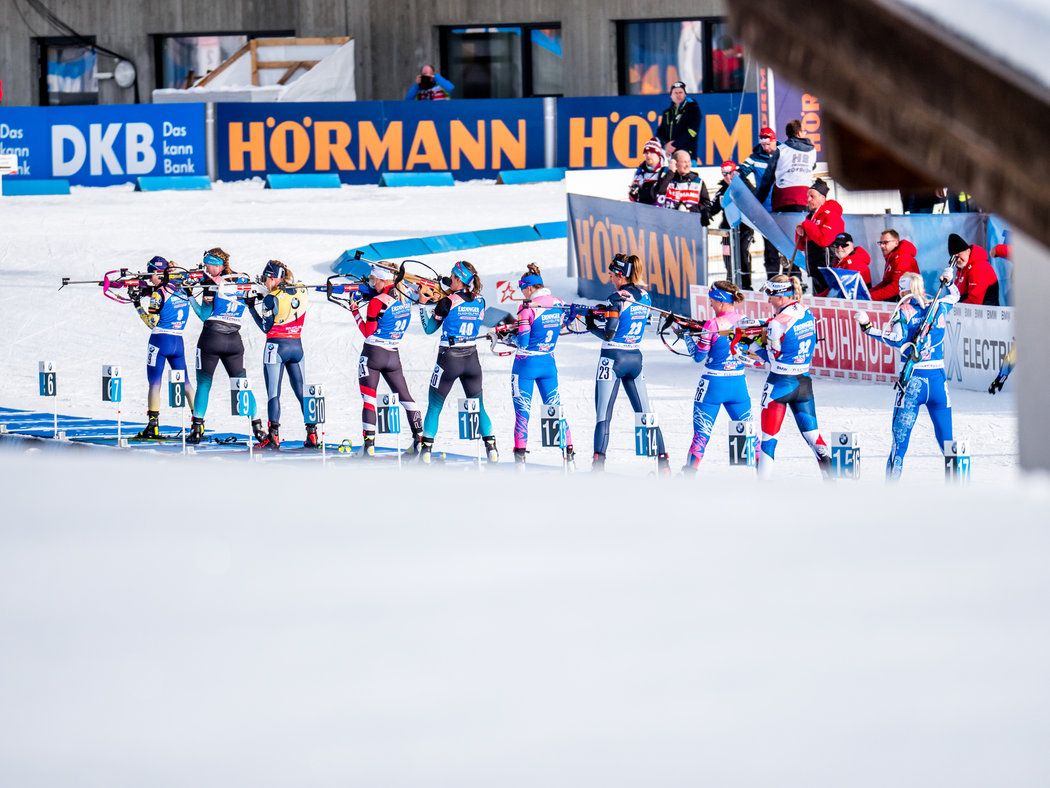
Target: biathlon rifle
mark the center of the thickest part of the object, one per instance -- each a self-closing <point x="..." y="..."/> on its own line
<point x="429" y="288"/>
<point x="908" y="366"/>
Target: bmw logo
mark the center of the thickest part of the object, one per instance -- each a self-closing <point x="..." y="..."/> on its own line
<point x="551" y="411"/>
<point x="843" y="439"/>
<point x="740" y="428"/>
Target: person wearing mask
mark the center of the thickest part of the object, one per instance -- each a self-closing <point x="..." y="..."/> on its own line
<point x="974" y="275"/>
<point x="815" y="233"/>
<point x="679" y="127"/>
<point x="900" y="259"/>
<point x="790" y="172"/>
<point x="649" y="184"/>
<point x="729" y="172"/>
<point x="429" y="86"/>
<point x="685" y="191"/>
<point x="755" y="166"/>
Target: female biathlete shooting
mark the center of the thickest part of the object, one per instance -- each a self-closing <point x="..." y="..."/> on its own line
<point x="281" y="319"/>
<point x="459" y="316"/>
<point x="791" y="339"/>
<point x="222" y="309"/>
<point x="722" y="383"/>
<point x="917" y="329"/>
<point x="384" y="323"/>
<point x="539" y="324"/>
<point x="621" y="359"/>
<point x="166" y="313"/>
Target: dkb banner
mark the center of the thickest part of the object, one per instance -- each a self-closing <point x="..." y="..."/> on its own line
<point x="104" y="145"/>
<point x="358" y="140"/>
<point x="672" y="246"/>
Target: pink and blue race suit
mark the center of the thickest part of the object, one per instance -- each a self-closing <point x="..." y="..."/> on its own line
<point x="791" y="339"/>
<point x="537" y="329"/>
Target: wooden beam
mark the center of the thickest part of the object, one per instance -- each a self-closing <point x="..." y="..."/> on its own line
<point x="941" y="107"/>
<point x="223" y="66"/>
<point x="291" y="71"/>
<point x="266" y="42"/>
<point x="286" y="63"/>
<point x="254" y="46"/>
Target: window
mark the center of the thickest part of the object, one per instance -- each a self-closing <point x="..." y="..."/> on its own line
<point x="509" y="61"/>
<point x="183" y="59"/>
<point x="700" y="52"/>
<point x="67" y="71"/>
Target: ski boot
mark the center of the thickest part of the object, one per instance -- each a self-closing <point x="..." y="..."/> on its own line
<point x="663" y="465"/>
<point x="369" y="449"/>
<point x="426" y="449"/>
<point x="258" y="433"/>
<point x="196" y="432"/>
<point x="598" y="463"/>
<point x="570" y="459"/>
<point x="413" y="450"/>
<point x="519" y="459"/>
<point x="151" y="432"/>
<point x="490" y="448"/>
<point x="270" y="439"/>
<point x="311" y="441"/>
<point x="688" y="471"/>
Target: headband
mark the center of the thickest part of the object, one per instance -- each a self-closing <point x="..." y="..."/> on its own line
<point x="530" y="280"/>
<point x="462" y="273"/>
<point x="779" y="288"/>
<point x="210" y="259"/>
<point x="621" y="265"/>
<point x="717" y="294"/>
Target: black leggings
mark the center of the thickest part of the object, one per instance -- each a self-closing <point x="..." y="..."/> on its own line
<point x="214" y="346"/>
<point x="455" y="363"/>
<point x="379" y="361"/>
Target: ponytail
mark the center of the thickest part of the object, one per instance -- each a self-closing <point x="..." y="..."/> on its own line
<point x="729" y="287"/>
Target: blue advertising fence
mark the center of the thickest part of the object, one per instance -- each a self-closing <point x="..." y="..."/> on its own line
<point x="672" y="246"/>
<point x="359" y="140"/>
<point x="105" y="145"/>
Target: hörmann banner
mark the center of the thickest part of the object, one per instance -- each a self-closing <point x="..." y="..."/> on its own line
<point x="610" y="131"/>
<point x="976" y="339"/>
<point x="360" y="140"/>
<point x="105" y="145"/>
<point x="672" y="246"/>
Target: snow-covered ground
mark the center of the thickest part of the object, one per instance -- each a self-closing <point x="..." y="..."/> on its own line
<point x="95" y="230"/>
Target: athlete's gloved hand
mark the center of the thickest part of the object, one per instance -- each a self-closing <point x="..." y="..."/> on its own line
<point x="947" y="276"/>
<point x="862" y="320"/>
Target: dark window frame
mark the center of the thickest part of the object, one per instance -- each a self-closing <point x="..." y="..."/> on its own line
<point x="444" y="31"/>
<point x="158" y="39"/>
<point x="43" y="95"/>
<point x="708" y="23"/>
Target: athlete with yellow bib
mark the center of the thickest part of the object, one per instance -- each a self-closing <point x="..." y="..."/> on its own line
<point x="282" y="317"/>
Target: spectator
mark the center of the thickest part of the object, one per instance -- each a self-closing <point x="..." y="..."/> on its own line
<point x="679" y="127"/>
<point x="818" y="230"/>
<point x="790" y="172"/>
<point x="429" y="86"/>
<point x="974" y="275"/>
<point x="649" y="184"/>
<point x="685" y="190"/>
<point x="756" y="165"/>
<point x="851" y="257"/>
<point x="729" y="171"/>
<point x="900" y="259"/>
<point x="922" y="201"/>
<point x="961" y="202"/>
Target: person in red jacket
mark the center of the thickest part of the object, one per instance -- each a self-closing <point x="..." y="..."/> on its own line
<point x="816" y="232"/>
<point x="900" y="259"/>
<point x="974" y="275"/>
<point x="850" y="257"/>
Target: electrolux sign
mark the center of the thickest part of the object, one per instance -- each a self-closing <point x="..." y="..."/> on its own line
<point x="361" y="139"/>
<point x="105" y="145"/>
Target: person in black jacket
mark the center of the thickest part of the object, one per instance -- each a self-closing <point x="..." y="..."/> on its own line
<point x="679" y="127"/>
<point x="649" y="183"/>
<point x="729" y="171"/>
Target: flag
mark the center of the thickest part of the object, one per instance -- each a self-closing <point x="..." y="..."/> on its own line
<point x="741" y="205"/>
<point x="843" y="283"/>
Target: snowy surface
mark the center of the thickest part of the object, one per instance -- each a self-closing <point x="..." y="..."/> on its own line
<point x="94" y="230"/>
<point x="254" y="629"/>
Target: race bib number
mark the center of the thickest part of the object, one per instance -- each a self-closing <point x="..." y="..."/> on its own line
<point x="271" y="354"/>
<point x="767" y="394"/>
<point x="701" y="389"/>
<point x="362" y="367"/>
<point x="435" y="379"/>
<point x="198" y="362"/>
<point x="515" y="388"/>
<point x="604" y="369"/>
<point x="152" y="351"/>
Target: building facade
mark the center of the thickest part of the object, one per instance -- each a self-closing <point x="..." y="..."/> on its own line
<point x="67" y="52"/>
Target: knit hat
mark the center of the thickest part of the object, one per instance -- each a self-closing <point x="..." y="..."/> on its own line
<point x="653" y="146"/>
<point x="728" y="167"/>
<point x="819" y="185"/>
<point x="678" y="84"/>
<point x="956" y="245"/>
<point x="767" y="132"/>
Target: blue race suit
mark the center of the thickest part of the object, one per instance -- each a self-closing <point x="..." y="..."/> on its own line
<point x="167" y="313"/>
<point x="539" y="324"/>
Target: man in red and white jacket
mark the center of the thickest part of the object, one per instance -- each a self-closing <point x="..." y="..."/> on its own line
<point x="974" y="275"/>
<point x="818" y="230"/>
<point x="900" y="259"/>
<point x="685" y="190"/>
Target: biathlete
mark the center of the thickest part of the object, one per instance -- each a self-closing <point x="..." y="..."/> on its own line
<point x="459" y="315"/>
<point x="384" y="323"/>
<point x="621" y="359"/>
<point x="222" y="308"/>
<point x="722" y="383"/>
<point x="166" y="313"/>
<point x="539" y="323"/>
<point x="928" y="384"/>
<point x="790" y="341"/>
<point x="281" y="319"/>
